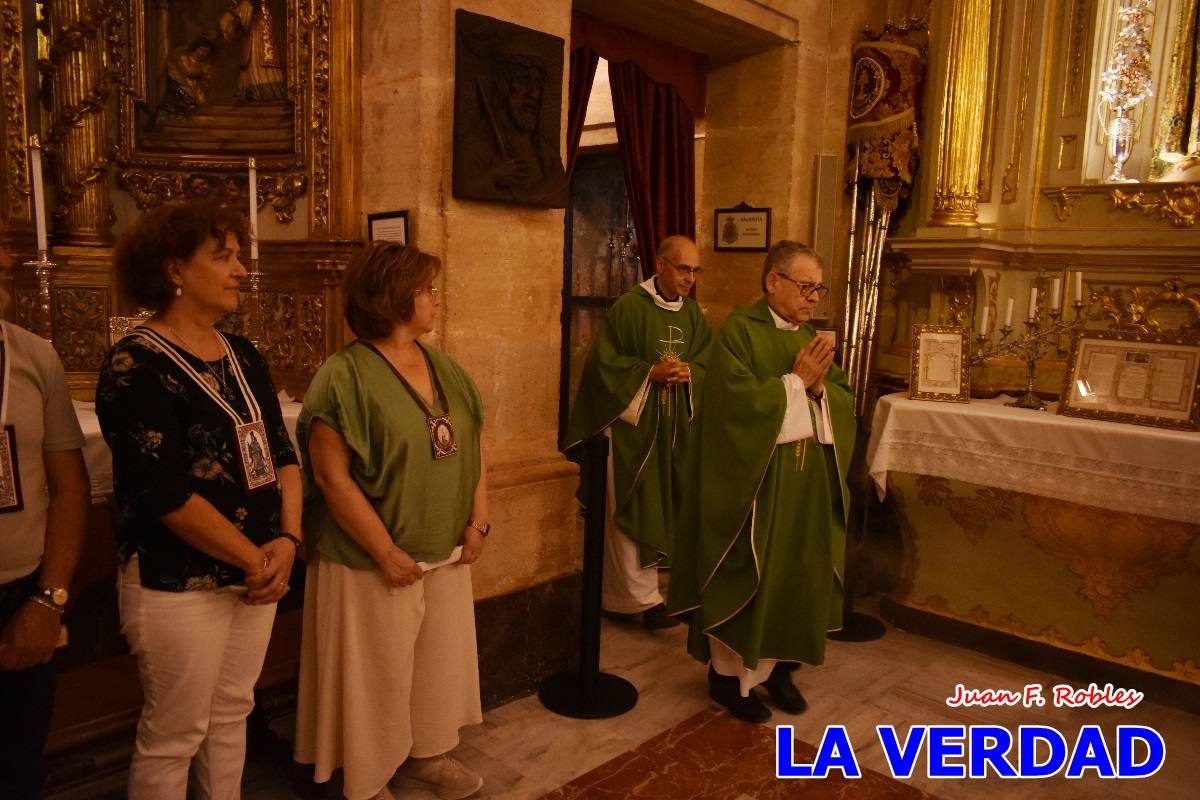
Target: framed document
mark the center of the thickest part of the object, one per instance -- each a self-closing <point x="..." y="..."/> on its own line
<point x="826" y="331"/>
<point x="940" y="364"/>
<point x="742" y="228"/>
<point x="388" y="226"/>
<point x="1129" y="376"/>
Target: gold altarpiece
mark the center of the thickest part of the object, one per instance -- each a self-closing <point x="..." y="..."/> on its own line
<point x="1023" y="187"/>
<point x="135" y="112"/>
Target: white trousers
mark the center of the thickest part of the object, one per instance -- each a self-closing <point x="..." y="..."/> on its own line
<point x="199" y="655"/>
<point x="627" y="587"/>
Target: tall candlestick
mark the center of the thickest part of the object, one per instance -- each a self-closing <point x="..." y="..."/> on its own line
<point x="1055" y="293"/>
<point x="253" y="213"/>
<point x="984" y="321"/>
<point x="1008" y="314"/>
<point x="1032" y="303"/>
<point x="1078" y="287"/>
<point x="39" y="191"/>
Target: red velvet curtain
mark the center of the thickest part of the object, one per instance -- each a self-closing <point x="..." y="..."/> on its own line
<point x="656" y="133"/>
<point x="583" y="72"/>
<point x="657" y="91"/>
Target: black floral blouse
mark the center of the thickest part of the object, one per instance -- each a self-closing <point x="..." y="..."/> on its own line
<point x="170" y="440"/>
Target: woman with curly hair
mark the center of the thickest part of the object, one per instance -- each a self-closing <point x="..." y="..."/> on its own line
<point x="209" y="528"/>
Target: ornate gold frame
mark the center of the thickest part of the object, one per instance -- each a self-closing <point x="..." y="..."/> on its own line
<point x="1181" y="339"/>
<point x="156" y="177"/>
<point x="914" y="365"/>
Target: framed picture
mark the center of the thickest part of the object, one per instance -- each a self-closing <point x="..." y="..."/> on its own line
<point x="940" y="365"/>
<point x="826" y="330"/>
<point x="1131" y="376"/>
<point x="388" y="226"/>
<point x="742" y="228"/>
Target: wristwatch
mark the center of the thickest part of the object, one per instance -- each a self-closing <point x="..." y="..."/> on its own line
<point x="295" y="540"/>
<point x="56" y="596"/>
<point x="484" y="530"/>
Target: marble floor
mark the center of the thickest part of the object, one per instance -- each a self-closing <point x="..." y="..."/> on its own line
<point x="525" y="751"/>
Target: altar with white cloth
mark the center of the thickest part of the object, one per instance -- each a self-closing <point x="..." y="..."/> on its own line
<point x="1077" y="533"/>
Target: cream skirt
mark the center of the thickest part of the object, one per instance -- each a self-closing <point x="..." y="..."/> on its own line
<point x="385" y="672"/>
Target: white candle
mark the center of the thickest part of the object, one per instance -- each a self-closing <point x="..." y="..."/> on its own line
<point x="1032" y="303"/>
<point x="39" y="191"/>
<point x="983" y="322"/>
<point x="1078" y="287"/>
<point x="1008" y="314"/>
<point x="253" y="213"/>
<point x="1055" y="293"/>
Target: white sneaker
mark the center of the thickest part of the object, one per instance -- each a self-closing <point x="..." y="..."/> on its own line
<point x="450" y="779"/>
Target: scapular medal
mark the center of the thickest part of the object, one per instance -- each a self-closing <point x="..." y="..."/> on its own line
<point x="253" y="446"/>
<point x="441" y="427"/>
<point x="10" y="475"/>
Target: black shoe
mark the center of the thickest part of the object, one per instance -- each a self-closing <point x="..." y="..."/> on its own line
<point x="783" y="693"/>
<point x="727" y="692"/>
<point x="656" y="618"/>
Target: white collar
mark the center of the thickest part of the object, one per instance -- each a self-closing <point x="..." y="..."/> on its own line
<point x="652" y="290"/>
<point x="782" y="323"/>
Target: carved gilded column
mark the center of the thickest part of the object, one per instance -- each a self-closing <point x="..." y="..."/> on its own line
<point x="80" y="83"/>
<point x="960" y="130"/>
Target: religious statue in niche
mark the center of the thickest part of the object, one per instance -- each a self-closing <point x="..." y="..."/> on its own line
<point x="219" y="78"/>
<point x="507" y="108"/>
<point x="261" y="76"/>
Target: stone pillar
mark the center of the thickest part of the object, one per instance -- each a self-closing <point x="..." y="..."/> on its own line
<point x="81" y="83"/>
<point x="960" y="129"/>
<point x="502" y="279"/>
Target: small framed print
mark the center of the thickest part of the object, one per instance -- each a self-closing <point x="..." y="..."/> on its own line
<point x="742" y="228"/>
<point x="258" y="468"/>
<point x="388" y="226"/>
<point x="828" y="332"/>
<point x="1130" y="376"/>
<point x="940" y="364"/>
<point x="10" y="472"/>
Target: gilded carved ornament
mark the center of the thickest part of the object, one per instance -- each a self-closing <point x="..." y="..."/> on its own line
<point x="1064" y="203"/>
<point x="1170" y="306"/>
<point x="1178" y="204"/>
<point x="150" y="188"/>
<point x="12" y="95"/>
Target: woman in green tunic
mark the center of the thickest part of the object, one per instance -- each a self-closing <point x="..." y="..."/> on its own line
<point x="396" y="498"/>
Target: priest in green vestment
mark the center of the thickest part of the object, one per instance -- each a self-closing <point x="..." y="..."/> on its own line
<point x="761" y="541"/>
<point x="640" y="387"/>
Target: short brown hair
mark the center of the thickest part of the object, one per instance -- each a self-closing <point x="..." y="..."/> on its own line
<point x="782" y="253"/>
<point x="168" y="232"/>
<point x="381" y="282"/>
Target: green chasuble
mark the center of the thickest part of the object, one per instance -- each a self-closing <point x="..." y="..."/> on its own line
<point x="424" y="502"/>
<point x="762" y="539"/>
<point x="647" y="458"/>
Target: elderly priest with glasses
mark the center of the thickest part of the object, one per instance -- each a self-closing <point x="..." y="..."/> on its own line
<point x="640" y="387"/>
<point x="762" y="536"/>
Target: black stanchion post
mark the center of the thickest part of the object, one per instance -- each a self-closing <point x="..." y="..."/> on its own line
<point x="590" y="693"/>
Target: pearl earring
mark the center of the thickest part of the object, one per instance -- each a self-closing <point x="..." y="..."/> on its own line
<point x="179" y="291"/>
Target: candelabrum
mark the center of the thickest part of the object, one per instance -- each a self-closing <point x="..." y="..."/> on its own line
<point x="43" y="268"/>
<point x="1038" y="339"/>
